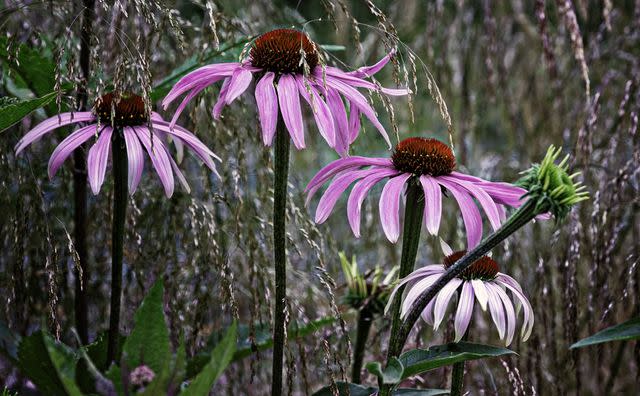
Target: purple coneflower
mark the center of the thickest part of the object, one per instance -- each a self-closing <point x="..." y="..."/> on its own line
<point x="130" y="119"/>
<point x="287" y="65"/>
<point x="482" y="281"/>
<point x="427" y="160"/>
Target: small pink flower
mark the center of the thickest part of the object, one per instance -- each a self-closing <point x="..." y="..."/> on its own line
<point x="427" y="160"/>
<point x="483" y="282"/>
<point x="130" y="119"/>
<point x="287" y="66"/>
<point x="141" y="376"/>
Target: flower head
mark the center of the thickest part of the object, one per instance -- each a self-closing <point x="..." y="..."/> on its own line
<point x="483" y="282"/>
<point x="428" y="162"/>
<point x="141" y="376"/>
<point x="127" y="115"/>
<point x="287" y="66"/>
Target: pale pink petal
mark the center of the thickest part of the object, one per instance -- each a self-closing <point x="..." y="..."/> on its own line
<point x="68" y="146"/>
<point x="337" y="109"/>
<point x="341" y="164"/>
<point x="135" y="157"/>
<point x="527" y="324"/>
<point x="432" y="203"/>
<point x="240" y="80"/>
<point x="184" y="103"/>
<point x="470" y="213"/>
<point x="50" y="124"/>
<point x="368" y="71"/>
<point x="481" y="293"/>
<point x="222" y="100"/>
<point x="356" y="81"/>
<point x="390" y="206"/>
<point x="427" y="313"/>
<point x="442" y="301"/>
<point x="320" y="110"/>
<point x="416" y="291"/>
<point x="97" y="160"/>
<point x="159" y="158"/>
<point x="414" y="276"/>
<point x="333" y="193"/>
<point x="267" y="101"/>
<point x="483" y="198"/>
<point x="464" y="311"/>
<point x="511" y="315"/>
<point x="289" y="100"/>
<point x="359" y="192"/>
<point x="354" y="122"/>
<point x="496" y="309"/>
<point x="208" y="74"/>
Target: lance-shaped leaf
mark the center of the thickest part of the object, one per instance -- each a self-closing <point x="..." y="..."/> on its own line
<point x="629" y="330"/>
<point x="30" y="64"/>
<point x="12" y="111"/>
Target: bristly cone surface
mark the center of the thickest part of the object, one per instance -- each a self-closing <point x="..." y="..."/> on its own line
<point x="423" y="156"/>
<point x="283" y="51"/>
<point x="129" y="109"/>
<point x="485" y="268"/>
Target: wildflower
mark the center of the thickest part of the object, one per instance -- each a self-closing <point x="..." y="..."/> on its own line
<point x="481" y="281"/>
<point x="287" y="65"/>
<point x="128" y="116"/>
<point x="141" y="376"/>
<point x="424" y="160"/>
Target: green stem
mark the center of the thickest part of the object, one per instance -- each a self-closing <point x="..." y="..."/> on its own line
<point x="521" y="217"/>
<point x="365" y="319"/>
<point x="457" y="376"/>
<point x="120" y="198"/>
<point x="281" y="170"/>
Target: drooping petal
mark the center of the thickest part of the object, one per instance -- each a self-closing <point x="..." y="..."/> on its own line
<point x="68" y="145"/>
<point x="267" y="101"/>
<point x="97" y="160"/>
<point x="527" y="324"/>
<point x="416" y="290"/>
<point x="359" y="192"/>
<point x="320" y="110"/>
<point x="427" y="312"/>
<point x="470" y="213"/>
<point x="335" y="189"/>
<point x="50" y="124"/>
<point x="390" y="206"/>
<point x="240" y="80"/>
<point x="442" y="301"/>
<point x="464" y="311"/>
<point x="356" y="81"/>
<point x="354" y="122"/>
<point x="483" y="198"/>
<point x="208" y="74"/>
<point x="135" y="157"/>
<point x="511" y="315"/>
<point x="184" y="103"/>
<point x="159" y="158"/>
<point x="496" y="310"/>
<point x="341" y="164"/>
<point x="222" y="100"/>
<point x="337" y="109"/>
<point x="480" y="292"/>
<point x="414" y="276"/>
<point x="432" y="203"/>
<point x="289" y="100"/>
<point x="181" y="179"/>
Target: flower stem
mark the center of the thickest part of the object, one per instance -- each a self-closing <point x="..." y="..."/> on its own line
<point x="81" y="272"/>
<point x="521" y="217"/>
<point x="365" y="319"/>
<point x="457" y="376"/>
<point x="281" y="170"/>
<point x="120" y="197"/>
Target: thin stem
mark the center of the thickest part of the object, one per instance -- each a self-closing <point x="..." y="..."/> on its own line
<point x="521" y="217"/>
<point x="281" y="170"/>
<point x="81" y="272"/>
<point x="365" y="319"/>
<point x="120" y="198"/>
<point x="457" y="376"/>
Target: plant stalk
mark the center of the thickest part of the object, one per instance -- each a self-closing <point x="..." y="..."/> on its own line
<point x="457" y="376"/>
<point x="281" y="170"/>
<point x="365" y="320"/>
<point x="120" y="198"/>
<point x="81" y="272"/>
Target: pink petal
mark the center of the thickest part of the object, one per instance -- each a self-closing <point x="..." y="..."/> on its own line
<point x="368" y="71"/>
<point x="511" y="315"/>
<point x="337" y="109"/>
<point x="470" y="213"/>
<point x="360" y="191"/>
<point x="527" y="325"/>
<point x="354" y="122"/>
<point x="320" y="110"/>
<point x="222" y="100"/>
<point x="480" y="292"/>
<point x="355" y="81"/>
<point x="159" y="158"/>
<point x="416" y="291"/>
<point x="432" y="203"/>
<point x="208" y="74"/>
<point x="97" y="160"/>
<point x="68" y="145"/>
<point x="483" y="198"/>
<point x="442" y="301"/>
<point x="50" y="124"/>
<point x="495" y="307"/>
<point x="135" y="158"/>
<point x="341" y="164"/>
<point x="240" y="81"/>
<point x="290" y="109"/>
<point x="267" y="101"/>
<point x="336" y="188"/>
<point x="390" y="206"/>
<point x="464" y="311"/>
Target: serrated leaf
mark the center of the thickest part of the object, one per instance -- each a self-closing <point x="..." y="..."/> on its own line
<point x="392" y="374"/>
<point x="149" y="342"/>
<point x="420" y="360"/>
<point x="220" y="359"/>
<point x="347" y="389"/>
<point x="50" y="365"/>
<point x="15" y="111"/>
<point x="262" y="341"/>
<point x="629" y="330"/>
<point x="30" y="64"/>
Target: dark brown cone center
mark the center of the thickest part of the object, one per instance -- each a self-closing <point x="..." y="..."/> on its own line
<point x="127" y="110"/>
<point x="423" y="156"/>
<point x="284" y="51"/>
<point x="484" y="268"/>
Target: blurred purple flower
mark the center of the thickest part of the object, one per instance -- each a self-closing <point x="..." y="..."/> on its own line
<point x="427" y="160"/>
<point x="141" y="376"/>
<point x="287" y="65"/>
<point x="482" y="281"/>
<point x="130" y="119"/>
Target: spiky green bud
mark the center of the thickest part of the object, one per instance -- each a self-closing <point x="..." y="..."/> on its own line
<point x="368" y="291"/>
<point x="551" y="187"/>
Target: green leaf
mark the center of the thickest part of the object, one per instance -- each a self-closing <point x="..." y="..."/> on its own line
<point x="346" y="388"/>
<point x="629" y="330"/>
<point x="96" y="352"/>
<point x="392" y="374"/>
<point x="420" y="360"/>
<point x="9" y="342"/>
<point x="420" y="392"/>
<point x="262" y="338"/>
<point x="16" y="110"/>
<point x="30" y="64"/>
<point x="220" y="359"/>
<point x="149" y="343"/>
<point x="49" y="364"/>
